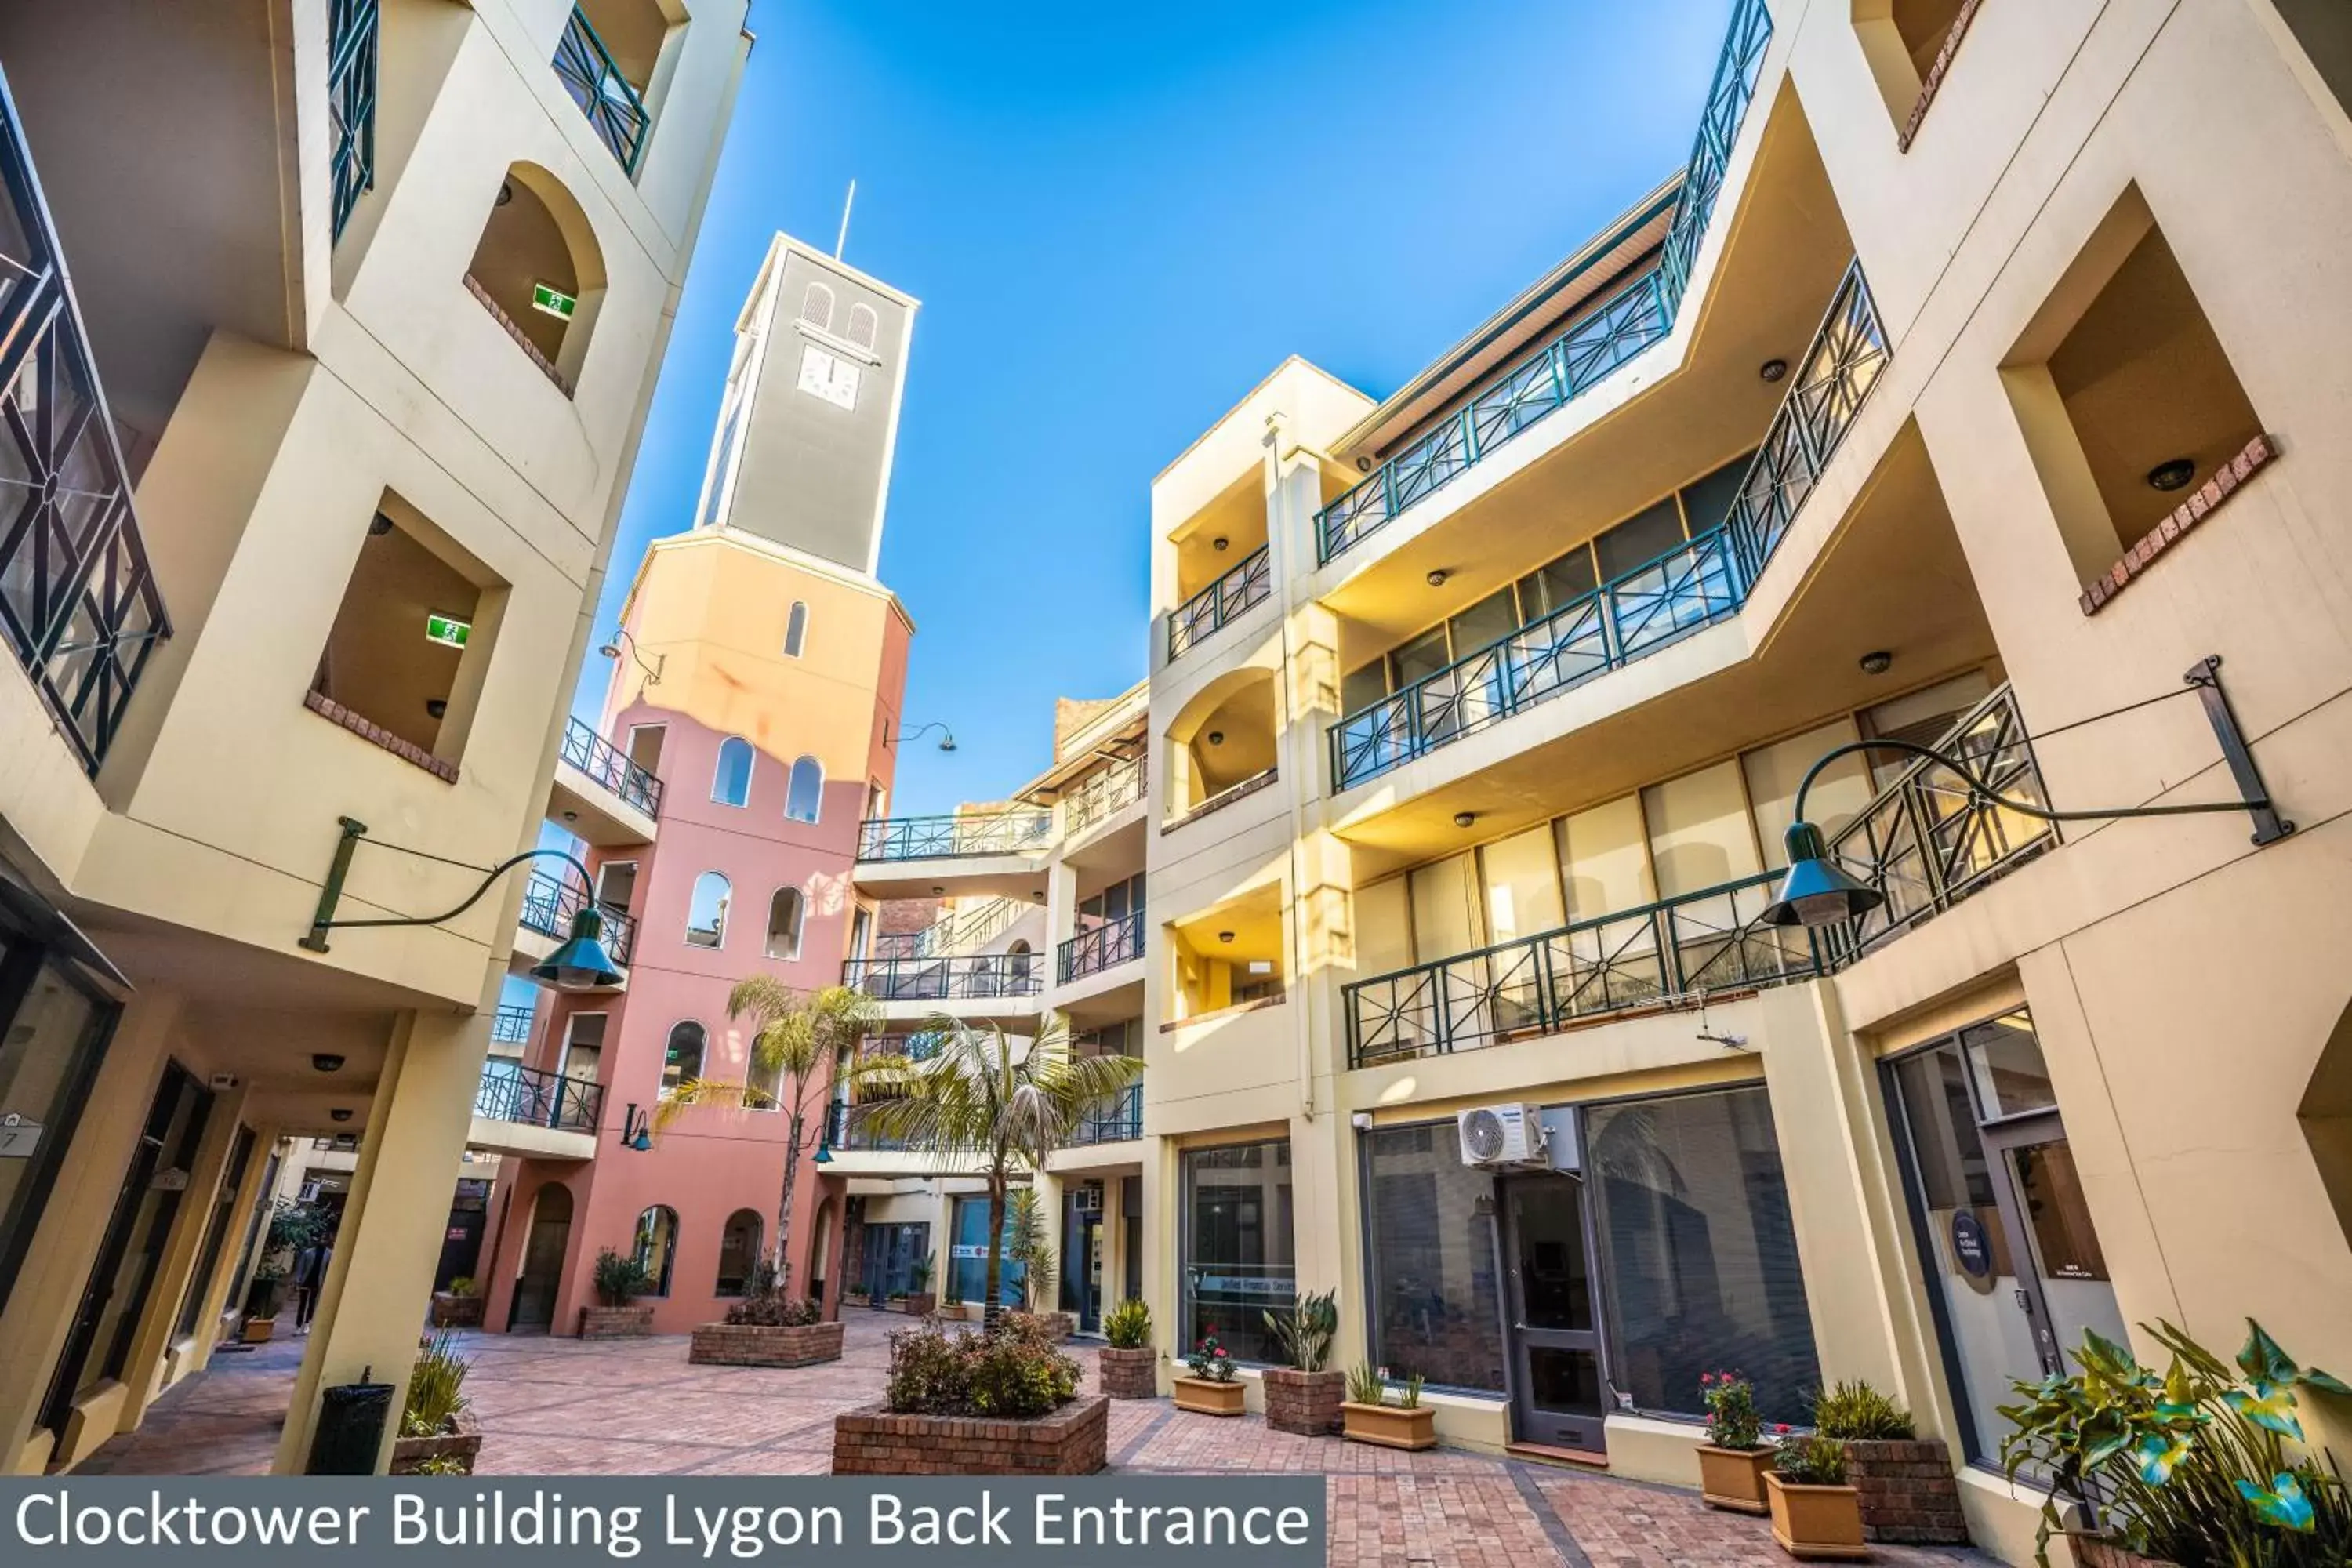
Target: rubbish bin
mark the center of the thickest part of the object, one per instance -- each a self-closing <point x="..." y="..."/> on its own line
<point x="350" y="1427"/>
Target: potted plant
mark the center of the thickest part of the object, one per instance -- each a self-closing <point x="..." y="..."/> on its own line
<point x="1129" y="1366"/>
<point x="1371" y="1415"/>
<point x="1814" y="1512"/>
<point x="1733" y="1459"/>
<point x="459" y="1307"/>
<point x="1305" y="1397"/>
<point x="1027" y="1246"/>
<point x="767" y="1328"/>
<point x="1906" y="1487"/>
<point x="262" y="1299"/>
<point x="619" y="1280"/>
<point x="438" y="1435"/>
<point x="1001" y="1402"/>
<point x="1208" y="1389"/>
<point x="917" y="1299"/>
<point x="2192" y="1467"/>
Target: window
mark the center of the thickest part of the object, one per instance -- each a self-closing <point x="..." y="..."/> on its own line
<point x="706" y="915"/>
<point x="804" y="794"/>
<point x="785" y="911"/>
<point x="616" y="885"/>
<point x="410" y="646"/>
<point x="967" y="1277"/>
<point x="1435" y="1312"/>
<point x="731" y="783"/>
<point x="645" y="745"/>
<point x="864" y="325"/>
<point x="537" y="270"/>
<point x="224" y="1213"/>
<point x="722" y="463"/>
<point x="1700" y="833"/>
<point x="658" y="1246"/>
<point x="817" y="307"/>
<point x="1699" y="1266"/>
<point x="739" y="1250"/>
<point x="1237" y="1247"/>
<point x="795" y="629"/>
<point x="682" y="1061"/>
<point x="583" y="1046"/>
<point x="49" y="1052"/>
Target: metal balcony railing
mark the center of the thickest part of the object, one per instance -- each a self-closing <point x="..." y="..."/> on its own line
<point x="957" y="931"/>
<point x="1115" y="1120"/>
<point x="614" y="106"/>
<point x="970" y="833"/>
<point x="1223" y="799"/>
<point x="536" y="1098"/>
<point x="352" y="33"/>
<point x="845" y="1128"/>
<point x="982" y="977"/>
<point x="1244" y="587"/>
<point x="1928" y="840"/>
<point x="608" y="765"/>
<point x="548" y="905"/>
<point x="1103" y="793"/>
<point x="79" y="601"/>
<point x="1106" y="945"/>
<point x="510" y="1026"/>
<point x="1695" y="585"/>
<point x="1707" y="940"/>
<point x="1637" y="315"/>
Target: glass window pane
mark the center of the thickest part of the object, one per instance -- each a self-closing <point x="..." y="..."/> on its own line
<point x="1558" y="584"/>
<point x="1446" y="909"/>
<point x="1383" y="929"/>
<point x="1639" y="540"/>
<point x="968" y="1257"/>
<point x="1707" y="501"/>
<point x="1425" y="655"/>
<point x="1238" y="1251"/>
<point x="1700" y="835"/>
<point x="2006" y="1059"/>
<point x="1522" y="886"/>
<point x="1491" y="619"/>
<point x="1363" y="686"/>
<point x="1434" y="1308"/>
<point x="1922" y="717"/>
<point x="1841" y="794"/>
<point x="47" y="1054"/>
<point x="1698" y="1256"/>
<point x="1606" y="851"/>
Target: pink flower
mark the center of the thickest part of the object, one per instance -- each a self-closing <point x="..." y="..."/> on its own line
<point x="1221" y="1349"/>
<point x="1779" y="1426"/>
<point x="1706" y="1377"/>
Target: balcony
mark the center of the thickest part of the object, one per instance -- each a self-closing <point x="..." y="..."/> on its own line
<point x="616" y="110"/>
<point x="958" y="931"/>
<point x="845" y="1131"/>
<point x="352" y="34"/>
<point x="1223" y="799"/>
<point x="1103" y="795"/>
<point x="983" y="977"/>
<point x="1692" y="586"/>
<point x="510" y="1026"/>
<point x="78" y="602"/>
<point x="599" y="794"/>
<point x="1639" y="314"/>
<point x="1242" y="588"/>
<point x="1114" y="1121"/>
<point x="990" y="852"/>
<point x="533" y="1113"/>
<point x="548" y="907"/>
<point x="1105" y="947"/>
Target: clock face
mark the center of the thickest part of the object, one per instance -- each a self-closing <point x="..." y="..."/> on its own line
<point x="828" y="376"/>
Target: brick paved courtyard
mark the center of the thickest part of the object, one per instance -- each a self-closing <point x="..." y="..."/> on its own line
<point x="556" y="1406"/>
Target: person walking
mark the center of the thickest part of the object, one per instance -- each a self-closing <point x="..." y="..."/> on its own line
<point x="309" y="1274"/>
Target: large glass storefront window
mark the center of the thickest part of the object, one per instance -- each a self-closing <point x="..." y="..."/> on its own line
<point x="1434" y="1312"/>
<point x="1698" y="1256"/>
<point x="968" y="1257"/>
<point x="1239" y="1255"/>
<point x="48" y="1054"/>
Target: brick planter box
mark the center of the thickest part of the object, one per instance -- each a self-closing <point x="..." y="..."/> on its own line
<point x="615" y="1322"/>
<point x="758" y="1344"/>
<point x="463" y="1443"/>
<point x="1130" y="1374"/>
<point x="1908" y="1493"/>
<point x="456" y="1311"/>
<point x="1072" y="1441"/>
<point x="2091" y="1551"/>
<point x="1305" y="1403"/>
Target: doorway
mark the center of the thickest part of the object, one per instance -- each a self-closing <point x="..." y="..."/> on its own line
<point x="1082" y="1255"/>
<point x="543" y="1260"/>
<point x="1555" y="1336"/>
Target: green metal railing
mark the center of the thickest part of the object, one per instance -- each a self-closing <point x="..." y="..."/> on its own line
<point x="510" y="1026"/>
<point x="965" y="833"/>
<point x="1244" y="587"/>
<point x="613" y="105"/>
<point x="1639" y="314"/>
<point x="352" y="33"/>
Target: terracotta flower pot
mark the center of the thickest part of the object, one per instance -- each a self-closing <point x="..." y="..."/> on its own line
<point x="1390" y="1425"/>
<point x="1734" y="1478"/>
<point x="258" y="1330"/>
<point x="1815" y="1521"/>
<point x="1204" y="1397"/>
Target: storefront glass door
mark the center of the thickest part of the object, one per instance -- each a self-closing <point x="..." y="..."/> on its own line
<point x="1555" y="1335"/>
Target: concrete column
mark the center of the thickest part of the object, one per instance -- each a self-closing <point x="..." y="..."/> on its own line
<point x="1048" y="1293"/>
<point x="225" y="1293"/>
<point x="374" y="1304"/>
<point x="1061" y="916"/>
<point x="1163" y="1225"/>
<point x="1325" y="1242"/>
<point x="144" y="1369"/>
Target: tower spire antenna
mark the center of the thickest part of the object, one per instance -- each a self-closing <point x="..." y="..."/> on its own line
<point x="842" y="240"/>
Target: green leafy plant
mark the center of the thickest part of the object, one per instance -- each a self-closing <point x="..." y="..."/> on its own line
<point x="1127" y="1326"/>
<point x="442" y="1465"/>
<point x="435" y="1388"/>
<point x="1306" y="1329"/>
<point x="1207" y="1358"/>
<point x="918" y="1278"/>
<point x="619" y="1279"/>
<point x="775" y="1310"/>
<point x="1732" y="1419"/>
<point x="464" y="1285"/>
<point x="2192" y="1467"/>
<point x="1856" y="1411"/>
<point x="1409" y="1392"/>
<point x="1813" y="1461"/>
<point x="1026" y="1244"/>
<point x="295" y="1226"/>
<point x="1366" y="1386"/>
<point x="1012" y="1370"/>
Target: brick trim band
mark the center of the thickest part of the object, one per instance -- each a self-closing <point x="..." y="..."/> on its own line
<point x="1952" y="36"/>
<point x="375" y="734"/>
<point x="2205" y="501"/>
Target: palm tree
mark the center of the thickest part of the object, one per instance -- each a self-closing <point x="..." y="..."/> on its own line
<point x="979" y="1098"/>
<point x="796" y="1038"/>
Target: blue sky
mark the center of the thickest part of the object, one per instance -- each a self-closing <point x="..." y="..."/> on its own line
<point x="1120" y="219"/>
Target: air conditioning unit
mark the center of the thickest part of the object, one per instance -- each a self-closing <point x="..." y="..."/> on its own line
<point x="1502" y="1135"/>
<point x="1086" y="1200"/>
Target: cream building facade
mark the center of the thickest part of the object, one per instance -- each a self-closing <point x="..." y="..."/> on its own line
<point x="316" y="462"/>
<point x="1974" y="388"/>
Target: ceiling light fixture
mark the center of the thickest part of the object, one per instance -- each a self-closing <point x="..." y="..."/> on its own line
<point x="327" y="1061"/>
<point x="1876" y="662"/>
<point x="1437" y="578"/>
<point x="1772" y="369"/>
<point x="2172" y="474"/>
<point x="1220" y="542"/>
<point x="1464" y="819"/>
<point x="341" y="1114"/>
<point x="1216" y="737"/>
<point x="1225" y="936"/>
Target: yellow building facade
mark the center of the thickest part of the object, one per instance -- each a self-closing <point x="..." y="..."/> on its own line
<point x="330" y="337"/>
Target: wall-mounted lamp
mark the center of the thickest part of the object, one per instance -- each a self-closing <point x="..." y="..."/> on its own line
<point x="946" y="736"/>
<point x="622" y="639"/>
<point x="637" y="1129"/>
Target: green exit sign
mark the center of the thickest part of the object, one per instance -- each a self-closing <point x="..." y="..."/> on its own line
<point x="446" y="630"/>
<point x="553" y="301"/>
